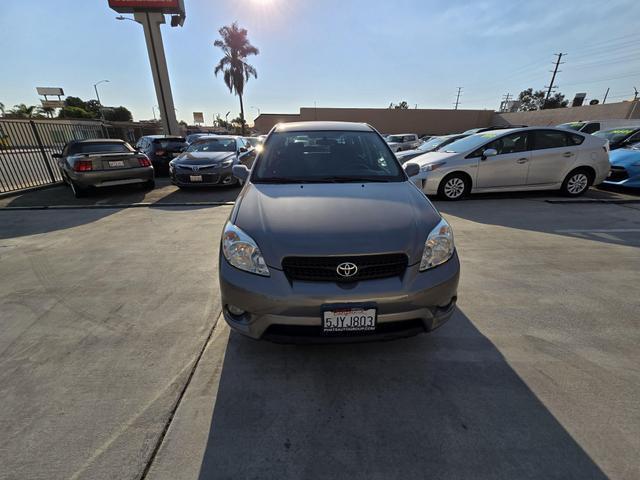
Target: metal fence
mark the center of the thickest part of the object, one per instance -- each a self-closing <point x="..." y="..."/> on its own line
<point x="27" y="146"/>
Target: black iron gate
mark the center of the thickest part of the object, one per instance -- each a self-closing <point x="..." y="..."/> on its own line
<point x="27" y="146"/>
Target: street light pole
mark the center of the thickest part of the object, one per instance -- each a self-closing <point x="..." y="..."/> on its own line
<point x="95" y="87"/>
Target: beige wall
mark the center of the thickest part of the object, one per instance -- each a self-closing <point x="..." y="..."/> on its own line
<point x="428" y="121"/>
<point x="620" y="110"/>
<point x="386" y="120"/>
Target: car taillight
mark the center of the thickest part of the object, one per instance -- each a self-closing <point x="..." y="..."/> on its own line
<point x="160" y="152"/>
<point x="83" y="166"/>
<point x="144" y="162"/>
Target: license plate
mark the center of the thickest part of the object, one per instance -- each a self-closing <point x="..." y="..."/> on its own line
<point x="116" y="163"/>
<point x="195" y="178"/>
<point x="349" y="320"/>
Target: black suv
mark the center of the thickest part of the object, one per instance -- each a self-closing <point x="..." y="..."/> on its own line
<point x="161" y="149"/>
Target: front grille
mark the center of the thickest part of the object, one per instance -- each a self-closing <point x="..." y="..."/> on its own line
<point x="206" y="178"/>
<point x="201" y="168"/>
<point x="617" y="174"/>
<point x="324" y="269"/>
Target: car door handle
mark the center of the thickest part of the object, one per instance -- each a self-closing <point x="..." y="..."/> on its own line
<point x="567" y="154"/>
<point x="522" y="160"/>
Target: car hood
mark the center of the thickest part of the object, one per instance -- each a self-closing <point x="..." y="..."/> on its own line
<point x="202" y="158"/>
<point x="624" y="157"/>
<point x="431" y="157"/>
<point x="335" y="219"/>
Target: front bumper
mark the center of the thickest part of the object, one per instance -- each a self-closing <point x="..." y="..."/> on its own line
<point x="629" y="178"/>
<point x="210" y="177"/>
<point x="108" y="178"/>
<point x="426" y="299"/>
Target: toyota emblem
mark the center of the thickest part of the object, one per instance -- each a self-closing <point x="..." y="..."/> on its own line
<point x="347" y="269"/>
<point x="195" y="168"/>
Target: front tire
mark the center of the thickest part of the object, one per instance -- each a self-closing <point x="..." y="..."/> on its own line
<point x="576" y="183"/>
<point x="454" y="187"/>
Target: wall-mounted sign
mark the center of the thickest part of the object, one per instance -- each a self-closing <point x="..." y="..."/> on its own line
<point x="164" y="6"/>
<point x="50" y="91"/>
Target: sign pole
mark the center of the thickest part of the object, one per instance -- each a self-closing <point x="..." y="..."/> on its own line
<point x="151" y="22"/>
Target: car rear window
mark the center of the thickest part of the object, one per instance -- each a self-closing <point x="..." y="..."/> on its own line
<point x="97" y="147"/>
<point x="326" y="156"/>
<point x="169" y="143"/>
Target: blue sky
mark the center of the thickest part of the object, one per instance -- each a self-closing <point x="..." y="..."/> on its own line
<point x="338" y="53"/>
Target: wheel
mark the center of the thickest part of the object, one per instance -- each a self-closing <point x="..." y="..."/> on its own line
<point x="454" y="187"/>
<point x="78" y="192"/>
<point x="576" y="183"/>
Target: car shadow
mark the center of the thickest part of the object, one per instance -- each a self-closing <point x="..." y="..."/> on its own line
<point x="445" y="405"/>
<point x="595" y="220"/>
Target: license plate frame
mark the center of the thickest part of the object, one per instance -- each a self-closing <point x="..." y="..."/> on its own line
<point x="195" y="178"/>
<point x="116" y="163"/>
<point x="349" y="319"/>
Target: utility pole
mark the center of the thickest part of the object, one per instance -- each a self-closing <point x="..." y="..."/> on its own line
<point x="553" y="77"/>
<point x="504" y="105"/>
<point x="604" y="100"/>
<point x="458" y="98"/>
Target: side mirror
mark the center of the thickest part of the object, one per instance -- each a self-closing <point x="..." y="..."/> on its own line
<point x="489" y="152"/>
<point x="411" y="169"/>
<point x="56" y="155"/>
<point x="241" y="172"/>
<point x="243" y="150"/>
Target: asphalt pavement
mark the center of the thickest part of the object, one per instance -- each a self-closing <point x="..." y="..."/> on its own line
<point x="114" y="363"/>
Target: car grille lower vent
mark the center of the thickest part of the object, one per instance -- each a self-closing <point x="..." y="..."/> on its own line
<point x="617" y="174"/>
<point x="325" y="269"/>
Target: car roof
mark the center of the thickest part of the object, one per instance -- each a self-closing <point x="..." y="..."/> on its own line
<point x="163" y="136"/>
<point x="322" y="126"/>
<point x="400" y="134"/>
<point x="96" y="140"/>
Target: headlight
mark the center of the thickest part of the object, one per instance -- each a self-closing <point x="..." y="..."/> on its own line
<point x="432" y="166"/>
<point x="439" y="246"/>
<point x="242" y="251"/>
<point x="226" y="163"/>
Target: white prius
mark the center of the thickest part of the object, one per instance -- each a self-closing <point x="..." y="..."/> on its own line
<point x="532" y="158"/>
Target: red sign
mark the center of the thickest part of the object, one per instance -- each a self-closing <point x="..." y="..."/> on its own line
<point x="130" y="6"/>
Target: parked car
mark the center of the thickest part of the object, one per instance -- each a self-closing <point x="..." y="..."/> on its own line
<point x="530" y="158"/>
<point x="161" y="149"/>
<point x="304" y="253"/>
<point x="435" y="143"/>
<point x="620" y="136"/>
<point x="96" y="163"/>
<point x="208" y="161"/>
<point x="492" y="127"/>
<point x="403" y="141"/>
<point x="625" y="167"/>
<point x="592" y="126"/>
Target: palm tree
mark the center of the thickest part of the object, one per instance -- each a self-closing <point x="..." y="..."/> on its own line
<point x="236" y="71"/>
<point x="23" y="111"/>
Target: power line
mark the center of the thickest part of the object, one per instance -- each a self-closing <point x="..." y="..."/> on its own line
<point x="458" y="98"/>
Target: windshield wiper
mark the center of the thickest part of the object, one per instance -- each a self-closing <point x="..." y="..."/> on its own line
<point x="343" y="179"/>
<point x="281" y="180"/>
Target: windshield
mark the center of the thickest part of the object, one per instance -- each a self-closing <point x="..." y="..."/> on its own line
<point x="326" y="156"/>
<point x="174" y="144"/>
<point x="253" y="141"/>
<point x="106" y="147"/>
<point x="214" y="145"/>
<point x="469" y="143"/>
<point x="572" y="125"/>
<point x="433" y="143"/>
<point x="395" y="138"/>
<point x="616" y="134"/>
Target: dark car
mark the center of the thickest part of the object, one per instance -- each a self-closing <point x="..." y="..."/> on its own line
<point x="431" y="145"/>
<point x="161" y="149"/>
<point x="209" y="161"/>
<point x="621" y="136"/>
<point x="86" y="164"/>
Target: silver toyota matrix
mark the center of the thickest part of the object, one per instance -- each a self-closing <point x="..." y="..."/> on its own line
<point x="330" y="240"/>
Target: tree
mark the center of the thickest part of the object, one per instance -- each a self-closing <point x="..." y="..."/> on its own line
<point x="2" y="108"/>
<point x="530" y="100"/>
<point x="118" y="114"/>
<point x="239" y="124"/>
<point x="403" y="105"/>
<point x="23" y="111"/>
<point x="236" y="71"/>
<point x="74" y="112"/>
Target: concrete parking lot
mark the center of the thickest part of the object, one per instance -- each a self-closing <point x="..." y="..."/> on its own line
<point x="114" y="363"/>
